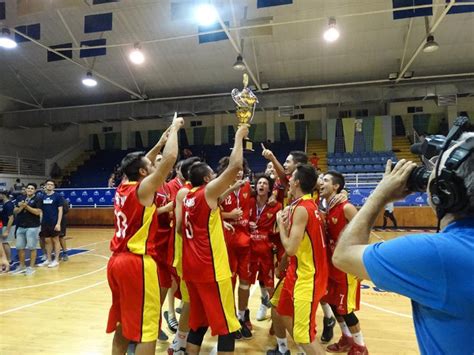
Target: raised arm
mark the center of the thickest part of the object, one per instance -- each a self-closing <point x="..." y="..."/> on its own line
<point x="178" y="210"/>
<point x="159" y="146"/>
<point x="268" y="154"/>
<point x="220" y="184"/>
<point x="149" y="185"/>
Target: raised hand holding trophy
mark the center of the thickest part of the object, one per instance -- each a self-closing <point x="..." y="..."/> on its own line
<point x="246" y="102"/>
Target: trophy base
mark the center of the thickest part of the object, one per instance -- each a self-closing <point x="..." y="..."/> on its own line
<point x="248" y="146"/>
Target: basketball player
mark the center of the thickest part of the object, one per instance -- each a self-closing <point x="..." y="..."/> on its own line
<point x="235" y="209"/>
<point x="178" y="346"/>
<point x="132" y="272"/>
<point x="302" y="236"/>
<point x="262" y="223"/>
<point x="343" y="289"/>
<point x="206" y="267"/>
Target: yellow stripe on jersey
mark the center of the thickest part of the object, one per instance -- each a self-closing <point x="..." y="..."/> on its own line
<point x="352" y="286"/>
<point x="302" y="321"/>
<point x="184" y="291"/>
<point x="276" y="294"/>
<point x="304" y="286"/>
<point x="151" y="300"/>
<point x="178" y="253"/>
<point x="218" y="246"/>
<point x="137" y="243"/>
<point x="226" y="294"/>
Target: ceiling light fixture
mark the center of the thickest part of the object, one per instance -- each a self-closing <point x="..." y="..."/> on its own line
<point x="332" y="33"/>
<point x="136" y="56"/>
<point x="392" y="76"/>
<point x="6" y="40"/>
<point x="206" y="14"/>
<point x="408" y="74"/>
<point x="89" y="80"/>
<point x="239" y="63"/>
<point x="431" y="45"/>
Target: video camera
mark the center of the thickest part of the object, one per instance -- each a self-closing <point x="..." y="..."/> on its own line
<point x="434" y="146"/>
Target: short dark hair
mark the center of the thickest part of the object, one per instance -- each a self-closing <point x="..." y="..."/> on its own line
<point x="337" y="179"/>
<point x="197" y="173"/>
<point x="306" y="175"/>
<point x="18" y="180"/>
<point x="186" y="164"/>
<point x="50" y="180"/>
<point x="131" y="164"/>
<point x="299" y="156"/>
<point x="271" y="182"/>
<point x="32" y="184"/>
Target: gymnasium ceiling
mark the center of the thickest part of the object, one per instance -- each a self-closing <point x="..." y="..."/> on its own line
<point x="283" y="46"/>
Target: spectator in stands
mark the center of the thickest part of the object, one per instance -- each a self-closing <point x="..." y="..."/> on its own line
<point x="433" y="270"/>
<point x="314" y="160"/>
<point x="28" y="211"/>
<point x="187" y="153"/>
<point x="270" y="170"/>
<point x="111" y="182"/>
<point x="17" y="188"/>
<point x="8" y="230"/>
<point x="52" y="207"/>
<point x="388" y="213"/>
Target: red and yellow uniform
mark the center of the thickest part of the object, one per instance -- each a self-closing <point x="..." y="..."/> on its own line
<point x="175" y="252"/>
<point x="238" y="242"/>
<point x="307" y="275"/>
<point x="261" y="247"/>
<point x="343" y="289"/>
<point x="206" y="266"/>
<point x="132" y="272"/>
<point x="163" y="233"/>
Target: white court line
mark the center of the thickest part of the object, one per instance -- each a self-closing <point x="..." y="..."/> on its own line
<point x="378" y="236"/>
<point x="386" y="310"/>
<point x="50" y="299"/>
<point x="62" y="280"/>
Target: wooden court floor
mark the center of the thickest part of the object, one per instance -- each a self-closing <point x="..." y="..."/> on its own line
<point x="64" y="310"/>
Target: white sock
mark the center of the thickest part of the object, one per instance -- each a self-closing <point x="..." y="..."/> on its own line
<point x="358" y="338"/>
<point x="282" y="345"/>
<point x="345" y="329"/>
<point x="327" y="310"/>
<point x="180" y="340"/>
<point x="241" y="315"/>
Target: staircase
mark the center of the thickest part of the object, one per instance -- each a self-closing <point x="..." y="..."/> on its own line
<point x="401" y="148"/>
<point x="319" y="147"/>
<point x="74" y="165"/>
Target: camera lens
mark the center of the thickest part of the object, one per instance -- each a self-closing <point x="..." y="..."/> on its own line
<point x="418" y="179"/>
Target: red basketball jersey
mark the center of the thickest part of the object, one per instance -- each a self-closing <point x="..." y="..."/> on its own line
<point x="335" y="223"/>
<point x="135" y="224"/>
<point x="164" y="229"/>
<point x="240" y="198"/>
<point x="265" y="219"/>
<point x="308" y="268"/>
<point x="204" y="250"/>
<point x="173" y="186"/>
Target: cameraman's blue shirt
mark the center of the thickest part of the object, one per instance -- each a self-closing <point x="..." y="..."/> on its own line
<point x="437" y="272"/>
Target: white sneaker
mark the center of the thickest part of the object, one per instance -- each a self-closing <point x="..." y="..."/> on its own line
<point x="44" y="263"/>
<point x="20" y="270"/>
<point x="43" y="257"/>
<point x="262" y="312"/>
<point x="30" y="271"/>
<point x="54" y="264"/>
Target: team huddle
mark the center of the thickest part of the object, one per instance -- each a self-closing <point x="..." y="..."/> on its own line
<point x="203" y="234"/>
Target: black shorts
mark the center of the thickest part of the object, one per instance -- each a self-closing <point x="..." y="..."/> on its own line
<point x="48" y="232"/>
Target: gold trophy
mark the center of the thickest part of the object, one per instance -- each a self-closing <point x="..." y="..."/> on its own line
<point x="246" y="102"/>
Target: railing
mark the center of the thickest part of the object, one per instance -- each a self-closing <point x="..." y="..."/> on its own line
<point x="363" y="180"/>
<point x="88" y="196"/>
<point x="21" y="166"/>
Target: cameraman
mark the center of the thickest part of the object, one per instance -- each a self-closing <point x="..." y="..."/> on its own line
<point x="434" y="270"/>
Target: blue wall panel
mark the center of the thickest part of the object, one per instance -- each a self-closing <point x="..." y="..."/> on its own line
<point x="98" y="23"/>
<point x="268" y="3"/>
<point x="428" y="11"/>
<point x="52" y="57"/>
<point x="213" y="37"/>
<point x="85" y="53"/>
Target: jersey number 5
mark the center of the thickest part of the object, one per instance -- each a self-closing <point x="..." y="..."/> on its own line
<point x="187" y="226"/>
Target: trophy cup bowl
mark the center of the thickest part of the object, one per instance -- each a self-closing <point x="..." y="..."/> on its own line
<point x="246" y="102"/>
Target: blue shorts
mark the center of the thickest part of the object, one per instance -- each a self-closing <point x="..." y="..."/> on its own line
<point x="27" y="238"/>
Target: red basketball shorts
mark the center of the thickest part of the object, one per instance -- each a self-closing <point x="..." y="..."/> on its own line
<point x="133" y="280"/>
